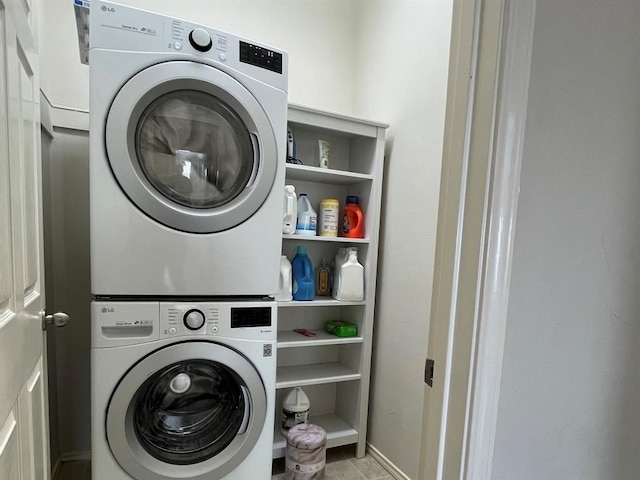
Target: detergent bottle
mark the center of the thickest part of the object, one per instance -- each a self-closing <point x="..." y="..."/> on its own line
<point x="285" y="287"/>
<point x="353" y="220"/>
<point x="350" y="279"/>
<point x="323" y="278"/>
<point x="341" y="257"/>
<point x="295" y="409"/>
<point x="303" y="284"/>
<point x="307" y="217"/>
<point x="290" y="213"/>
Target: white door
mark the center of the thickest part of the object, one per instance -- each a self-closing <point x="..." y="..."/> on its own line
<point x="24" y="446"/>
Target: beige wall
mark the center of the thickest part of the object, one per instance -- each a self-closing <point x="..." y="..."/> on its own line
<point x="318" y="35"/>
<point x="384" y="59"/>
<point x="402" y="79"/>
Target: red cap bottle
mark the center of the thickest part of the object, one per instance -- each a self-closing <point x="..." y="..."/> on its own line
<point x="353" y="220"/>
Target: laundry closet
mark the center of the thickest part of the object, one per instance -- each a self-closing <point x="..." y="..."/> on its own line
<point x="334" y="82"/>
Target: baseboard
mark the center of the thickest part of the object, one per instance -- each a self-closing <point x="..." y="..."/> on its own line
<point x="55" y="471"/>
<point x="386" y="463"/>
<point x="69" y="457"/>
<point x="76" y="457"/>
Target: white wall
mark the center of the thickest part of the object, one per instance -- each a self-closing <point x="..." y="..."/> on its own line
<point x="570" y="387"/>
<point x="402" y="65"/>
<point x="384" y="59"/>
<point x="318" y="35"/>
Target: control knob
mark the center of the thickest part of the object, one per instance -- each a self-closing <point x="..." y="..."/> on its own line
<point x="194" y="319"/>
<point x="200" y="39"/>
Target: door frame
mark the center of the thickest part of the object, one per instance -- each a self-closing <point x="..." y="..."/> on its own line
<point x="484" y="128"/>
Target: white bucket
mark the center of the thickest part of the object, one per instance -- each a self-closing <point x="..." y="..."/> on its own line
<point x="306" y="455"/>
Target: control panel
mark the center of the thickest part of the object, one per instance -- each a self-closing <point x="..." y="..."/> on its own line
<point x="124" y="29"/>
<point x="250" y="320"/>
<point x="126" y="323"/>
<point x="260" y="57"/>
<point x="181" y="36"/>
<point x="189" y="319"/>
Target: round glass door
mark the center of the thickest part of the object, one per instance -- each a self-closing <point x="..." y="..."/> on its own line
<point x="189" y="411"/>
<point x="191" y="147"/>
<point x="192" y="410"/>
<point x="194" y="149"/>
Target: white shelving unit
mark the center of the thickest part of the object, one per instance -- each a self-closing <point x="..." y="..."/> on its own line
<point x="334" y="371"/>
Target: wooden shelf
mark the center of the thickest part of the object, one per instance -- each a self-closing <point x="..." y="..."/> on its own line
<point x="319" y="238"/>
<point x="338" y="431"/>
<point x="318" y="302"/>
<point x="291" y="339"/>
<point x="314" y="374"/>
<point x="338" y="123"/>
<point x="325" y="175"/>
<point x="356" y="161"/>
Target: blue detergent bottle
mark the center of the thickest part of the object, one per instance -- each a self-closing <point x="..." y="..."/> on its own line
<point x="303" y="283"/>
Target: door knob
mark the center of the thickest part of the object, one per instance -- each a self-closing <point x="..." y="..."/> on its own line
<point x="59" y="319"/>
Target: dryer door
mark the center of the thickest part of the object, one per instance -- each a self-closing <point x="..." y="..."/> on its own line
<point x="192" y="410"/>
<point x="191" y="147"/>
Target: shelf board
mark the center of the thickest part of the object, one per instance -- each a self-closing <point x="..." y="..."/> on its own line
<point x="314" y="374"/>
<point x="325" y="175"/>
<point x="338" y="431"/>
<point x="319" y="302"/>
<point x="319" y="238"/>
<point x="291" y="339"/>
<point x="337" y="122"/>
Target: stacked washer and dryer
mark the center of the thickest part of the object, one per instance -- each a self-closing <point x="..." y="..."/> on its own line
<point x="188" y="128"/>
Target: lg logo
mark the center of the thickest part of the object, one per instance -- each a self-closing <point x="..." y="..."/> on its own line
<point x="108" y="9"/>
<point x="108" y="310"/>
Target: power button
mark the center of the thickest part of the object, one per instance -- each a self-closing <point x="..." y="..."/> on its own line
<point x="215" y="329"/>
<point x="173" y="330"/>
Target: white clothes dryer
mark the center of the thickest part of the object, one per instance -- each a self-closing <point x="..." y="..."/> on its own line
<point x="183" y="390"/>
<point x="187" y="157"/>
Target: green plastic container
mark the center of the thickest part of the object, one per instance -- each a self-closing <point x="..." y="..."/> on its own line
<point x="341" y="328"/>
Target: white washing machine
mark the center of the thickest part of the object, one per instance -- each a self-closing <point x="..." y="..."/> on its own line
<point x="187" y="159"/>
<point x="183" y="390"/>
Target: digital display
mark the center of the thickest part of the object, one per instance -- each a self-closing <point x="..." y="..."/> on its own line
<point x="250" y="317"/>
<point x="260" y="57"/>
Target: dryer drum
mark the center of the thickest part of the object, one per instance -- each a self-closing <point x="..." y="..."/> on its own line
<point x="194" y="149"/>
<point x="192" y="423"/>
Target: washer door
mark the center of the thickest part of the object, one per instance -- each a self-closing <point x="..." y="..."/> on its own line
<point x="191" y="147"/>
<point x="192" y="410"/>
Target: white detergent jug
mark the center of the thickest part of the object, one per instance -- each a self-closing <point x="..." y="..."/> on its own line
<point x="295" y="409"/>
<point x="285" y="289"/>
<point x="307" y="217"/>
<point x="350" y="280"/>
<point x="341" y="257"/>
<point x="290" y="214"/>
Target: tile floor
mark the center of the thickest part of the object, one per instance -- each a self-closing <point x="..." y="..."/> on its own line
<point x="341" y="465"/>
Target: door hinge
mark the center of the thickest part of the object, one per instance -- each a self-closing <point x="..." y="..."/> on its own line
<point x="429" y="367"/>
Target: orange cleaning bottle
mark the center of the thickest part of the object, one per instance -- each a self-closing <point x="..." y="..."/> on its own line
<point x="353" y="220"/>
